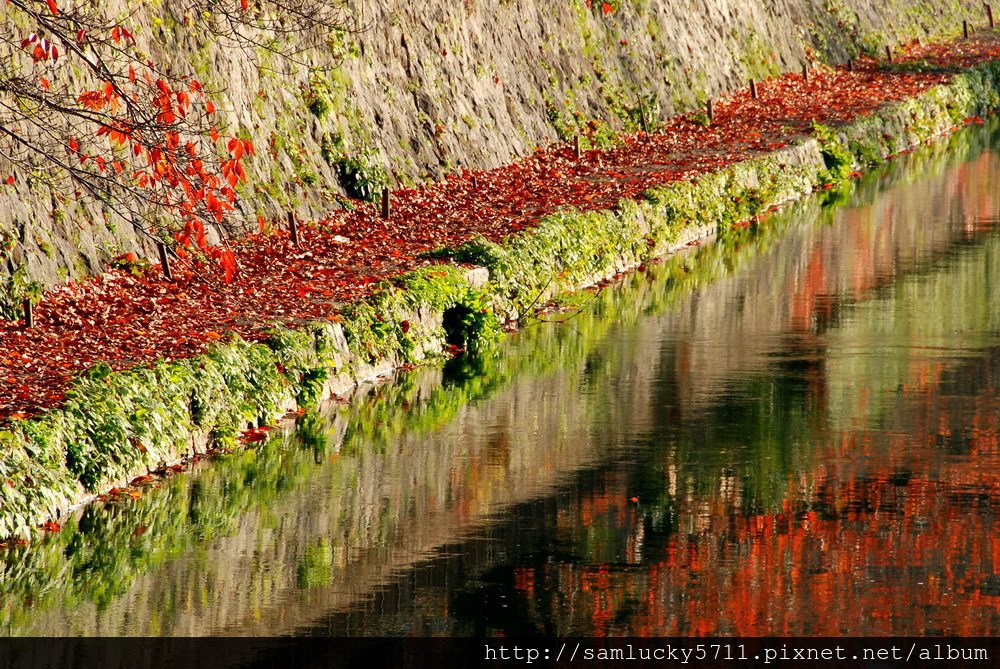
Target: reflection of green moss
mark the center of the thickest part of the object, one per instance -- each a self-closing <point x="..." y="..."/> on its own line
<point x="316" y="567"/>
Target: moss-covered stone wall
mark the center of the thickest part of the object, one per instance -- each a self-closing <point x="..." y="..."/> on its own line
<point x="425" y="89"/>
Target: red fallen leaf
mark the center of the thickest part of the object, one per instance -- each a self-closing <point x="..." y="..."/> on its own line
<point x="52" y="6"/>
<point x="139" y="530"/>
<point x="405" y="326"/>
<point x="607" y="8"/>
<point x="634" y="500"/>
<point x="52" y="526"/>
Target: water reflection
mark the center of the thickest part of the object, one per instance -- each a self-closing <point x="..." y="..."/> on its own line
<point x="793" y="431"/>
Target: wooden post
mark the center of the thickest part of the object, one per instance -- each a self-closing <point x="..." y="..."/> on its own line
<point x="576" y="145"/>
<point x="29" y="314"/>
<point x="888" y="53"/>
<point x="164" y="261"/>
<point x="386" y="204"/>
<point x="989" y="15"/>
<point x="642" y="119"/>
<point x="850" y="64"/>
<point x="753" y="89"/>
<point x="293" y="228"/>
<point x="475" y="182"/>
<point x="710" y="111"/>
<point x="805" y="72"/>
<point x="965" y="28"/>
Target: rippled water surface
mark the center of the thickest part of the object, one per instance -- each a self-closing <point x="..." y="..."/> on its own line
<point x="791" y="431"/>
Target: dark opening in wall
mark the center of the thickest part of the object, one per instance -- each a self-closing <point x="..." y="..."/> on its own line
<point x="456" y="324"/>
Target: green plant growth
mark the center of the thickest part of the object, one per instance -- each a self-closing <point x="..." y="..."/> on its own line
<point x="359" y="174"/>
<point x="15" y="288"/>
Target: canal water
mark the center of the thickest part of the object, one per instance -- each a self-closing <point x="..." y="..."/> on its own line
<point x="792" y="431"/>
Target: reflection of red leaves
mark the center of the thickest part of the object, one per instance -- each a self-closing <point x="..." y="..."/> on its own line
<point x="255" y="435"/>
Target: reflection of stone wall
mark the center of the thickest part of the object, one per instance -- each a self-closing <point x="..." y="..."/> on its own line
<point x="376" y="505"/>
<point x="819" y="271"/>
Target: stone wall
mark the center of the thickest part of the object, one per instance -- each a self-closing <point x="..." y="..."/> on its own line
<point x="428" y="89"/>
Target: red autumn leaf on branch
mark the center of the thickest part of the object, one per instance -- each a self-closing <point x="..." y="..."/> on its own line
<point x="607" y="8"/>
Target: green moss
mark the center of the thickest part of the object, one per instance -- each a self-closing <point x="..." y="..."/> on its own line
<point x="837" y="156"/>
<point x="758" y="61"/>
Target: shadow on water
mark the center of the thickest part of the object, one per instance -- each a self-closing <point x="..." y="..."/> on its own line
<point x="791" y="431"/>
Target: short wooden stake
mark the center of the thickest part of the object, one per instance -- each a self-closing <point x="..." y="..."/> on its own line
<point x="576" y="145"/>
<point x="710" y="111"/>
<point x="164" y="261"/>
<point x="293" y="228"/>
<point x="642" y="119"/>
<point x="475" y="182"/>
<point x="989" y="15"/>
<point x="29" y="314"/>
<point x="753" y="89"/>
<point x="386" y="204"/>
<point x="965" y="29"/>
<point x="805" y="72"/>
<point x="888" y="53"/>
<point x="850" y="64"/>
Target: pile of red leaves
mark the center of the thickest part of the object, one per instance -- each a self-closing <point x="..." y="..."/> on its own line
<point x="128" y="320"/>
